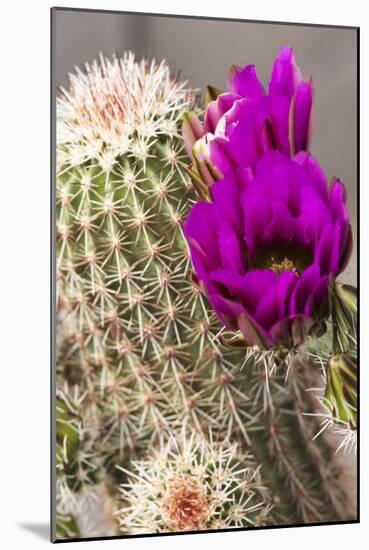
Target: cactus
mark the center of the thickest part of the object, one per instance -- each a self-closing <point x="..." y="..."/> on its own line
<point x="140" y="352"/>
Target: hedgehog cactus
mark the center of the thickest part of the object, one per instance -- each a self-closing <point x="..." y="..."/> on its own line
<point x="140" y="351"/>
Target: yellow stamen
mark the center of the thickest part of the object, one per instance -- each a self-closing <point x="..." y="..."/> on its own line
<point x="283" y="266"/>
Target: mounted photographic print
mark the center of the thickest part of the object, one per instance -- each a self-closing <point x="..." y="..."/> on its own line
<point x="204" y="258"/>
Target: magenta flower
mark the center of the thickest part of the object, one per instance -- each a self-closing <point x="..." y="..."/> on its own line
<point x="268" y="245"/>
<point x="245" y="122"/>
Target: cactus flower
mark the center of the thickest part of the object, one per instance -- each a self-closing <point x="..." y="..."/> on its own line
<point x="243" y="123"/>
<point x="266" y="248"/>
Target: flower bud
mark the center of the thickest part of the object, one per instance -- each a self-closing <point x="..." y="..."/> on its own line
<point x="341" y="391"/>
<point x="344" y="317"/>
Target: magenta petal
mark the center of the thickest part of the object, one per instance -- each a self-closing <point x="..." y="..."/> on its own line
<point x="270" y="160"/>
<point x="227" y="310"/>
<point x="334" y="261"/>
<point x="323" y="250"/>
<point x="318" y="303"/>
<point x="248" y="288"/>
<point x="272" y="305"/>
<point x="232" y="285"/>
<point x="285" y="74"/>
<point x="279" y="114"/>
<point x="226" y="197"/>
<point x="256" y="284"/>
<point x="211" y="117"/>
<point x="328" y="250"/>
<point x="242" y="133"/>
<point x="225" y="102"/>
<point x="314" y="217"/>
<point x="346" y="250"/>
<point x="281" y="224"/>
<point x="202" y="223"/>
<point x="256" y="216"/>
<point x="274" y="184"/>
<point x="337" y="207"/>
<point x="230" y="249"/>
<point x="245" y="82"/>
<point x="303" y="290"/>
<point x="217" y="108"/>
<point x="221" y="155"/>
<point x="243" y="177"/>
<point x="201" y="227"/>
<point x="314" y="175"/>
<point x="202" y="265"/>
<point x="337" y="200"/>
<point x="302" y="115"/>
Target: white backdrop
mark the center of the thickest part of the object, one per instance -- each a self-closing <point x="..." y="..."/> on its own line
<point x="24" y="273"/>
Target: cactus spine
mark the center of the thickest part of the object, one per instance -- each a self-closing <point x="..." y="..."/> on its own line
<point x="139" y="351"/>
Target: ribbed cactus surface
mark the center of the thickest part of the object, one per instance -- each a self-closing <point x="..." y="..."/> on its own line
<point x="139" y="352"/>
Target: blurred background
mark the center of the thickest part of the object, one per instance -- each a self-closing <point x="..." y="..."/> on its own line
<point x="202" y="51"/>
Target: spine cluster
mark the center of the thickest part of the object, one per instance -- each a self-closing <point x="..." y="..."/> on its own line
<point x="192" y="483"/>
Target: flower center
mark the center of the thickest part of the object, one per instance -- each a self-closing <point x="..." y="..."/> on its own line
<point x="286" y="265"/>
<point x="282" y="258"/>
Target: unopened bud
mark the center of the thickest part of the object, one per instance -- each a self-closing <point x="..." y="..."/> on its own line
<point x="341" y="391"/>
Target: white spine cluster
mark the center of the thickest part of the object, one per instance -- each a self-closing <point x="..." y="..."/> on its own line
<point x="117" y="107"/>
<point x="192" y="483"/>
